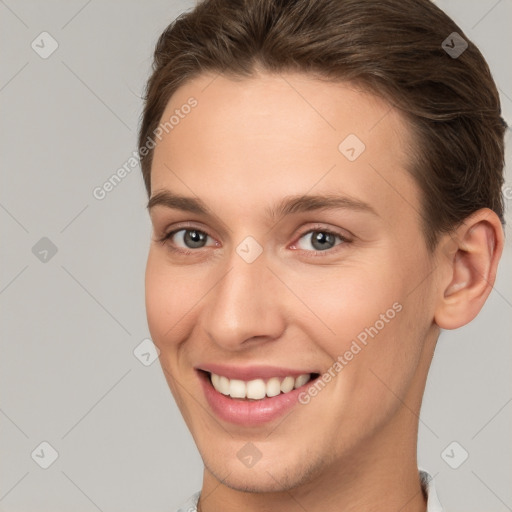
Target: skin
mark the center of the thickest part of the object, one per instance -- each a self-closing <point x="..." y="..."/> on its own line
<point x="248" y="144"/>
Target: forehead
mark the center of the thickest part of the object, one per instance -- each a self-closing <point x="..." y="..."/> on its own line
<point x="257" y="139"/>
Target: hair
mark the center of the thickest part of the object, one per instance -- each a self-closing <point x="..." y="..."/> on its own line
<point x="391" y="48"/>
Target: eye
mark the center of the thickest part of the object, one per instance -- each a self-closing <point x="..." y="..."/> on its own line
<point x="319" y="240"/>
<point x="187" y="238"/>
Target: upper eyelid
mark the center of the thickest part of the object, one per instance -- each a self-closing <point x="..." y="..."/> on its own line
<point x="186" y="226"/>
<point x="332" y="231"/>
<point x="173" y="232"/>
<point x="321" y="229"/>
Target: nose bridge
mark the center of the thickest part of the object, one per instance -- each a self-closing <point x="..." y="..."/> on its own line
<point x="244" y="304"/>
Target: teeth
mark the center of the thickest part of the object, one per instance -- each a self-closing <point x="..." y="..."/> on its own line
<point x="287" y="384"/>
<point x="237" y="389"/>
<point x="223" y="385"/>
<point x="257" y="389"/>
<point x="273" y="387"/>
<point x="301" y="380"/>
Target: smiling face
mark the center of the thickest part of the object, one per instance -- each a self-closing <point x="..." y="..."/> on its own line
<point x="289" y="252"/>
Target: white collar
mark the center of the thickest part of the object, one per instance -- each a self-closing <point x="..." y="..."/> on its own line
<point x="427" y="482"/>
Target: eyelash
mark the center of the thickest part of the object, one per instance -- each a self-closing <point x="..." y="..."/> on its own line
<point x="311" y="254"/>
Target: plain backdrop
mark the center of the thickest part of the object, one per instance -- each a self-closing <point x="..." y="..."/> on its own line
<point x="72" y="289"/>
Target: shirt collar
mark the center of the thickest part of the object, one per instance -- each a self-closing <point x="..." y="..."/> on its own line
<point x="427" y="483"/>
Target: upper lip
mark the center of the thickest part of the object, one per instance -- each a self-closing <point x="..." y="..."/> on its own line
<point x="252" y="372"/>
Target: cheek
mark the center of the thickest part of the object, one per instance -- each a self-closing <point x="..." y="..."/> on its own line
<point x="374" y="326"/>
<point x="174" y="298"/>
<point x="168" y="299"/>
<point x="352" y="304"/>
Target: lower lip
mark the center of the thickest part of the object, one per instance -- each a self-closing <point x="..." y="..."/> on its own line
<point x="249" y="412"/>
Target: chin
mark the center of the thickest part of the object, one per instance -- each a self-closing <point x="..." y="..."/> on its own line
<point x="255" y="481"/>
<point x="265" y="476"/>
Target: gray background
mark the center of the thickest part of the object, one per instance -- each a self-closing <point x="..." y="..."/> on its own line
<point x="68" y="375"/>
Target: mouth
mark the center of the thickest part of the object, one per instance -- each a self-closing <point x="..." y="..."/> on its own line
<point x="259" y="389"/>
<point x="252" y="397"/>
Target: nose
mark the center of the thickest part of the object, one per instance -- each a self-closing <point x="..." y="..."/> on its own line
<point x="245" y="306"/>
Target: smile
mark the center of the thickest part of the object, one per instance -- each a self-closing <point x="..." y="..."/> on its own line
<point x="252" y="396"/>
<point x="258" y="389"/>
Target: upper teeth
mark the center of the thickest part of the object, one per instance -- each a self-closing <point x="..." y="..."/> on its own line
<point x="258" y="388"/>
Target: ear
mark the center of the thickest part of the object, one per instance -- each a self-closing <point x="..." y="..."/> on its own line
<point x="469" y="259"/>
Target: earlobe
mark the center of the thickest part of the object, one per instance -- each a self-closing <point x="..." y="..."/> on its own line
<point x="470" y="261"/>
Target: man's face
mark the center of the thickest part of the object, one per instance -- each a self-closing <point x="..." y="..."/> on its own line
<point x="254" y="291"/>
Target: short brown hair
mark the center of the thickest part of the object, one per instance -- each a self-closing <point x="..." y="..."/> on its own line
<point x="393" y="48"/>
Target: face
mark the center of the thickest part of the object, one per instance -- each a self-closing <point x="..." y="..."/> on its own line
<point x="288" y="285"/>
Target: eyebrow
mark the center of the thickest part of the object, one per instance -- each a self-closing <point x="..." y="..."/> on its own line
<point x="287" y="206"/>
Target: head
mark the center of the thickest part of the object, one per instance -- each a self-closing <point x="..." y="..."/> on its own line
<point x="325" y="192"/>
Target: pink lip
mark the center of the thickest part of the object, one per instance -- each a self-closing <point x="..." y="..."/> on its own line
<point x="248" y="413"/>
<point x="251" y="372"/>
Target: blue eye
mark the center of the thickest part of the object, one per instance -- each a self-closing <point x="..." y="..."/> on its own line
<point x="319" y="240"/>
